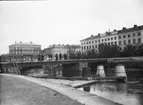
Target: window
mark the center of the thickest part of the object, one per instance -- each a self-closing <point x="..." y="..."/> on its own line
<point x="139" y="33"/>
<point x="95" y="46"/>
<point x="105" y="39"/>
<point x="102" y="40"/>
<point x="84" y="47"/>
<point x="87" y="47"/>
<point x="124" y="36"/>
<point x="139" y="40"/>
<point x="129" y="41"/>
<point x="124" y="42"/>
<point x="134" y="41"/>
<point x="111" y="43"/>
<point x="128" y="35"/>
<point x="133" y="34"/>
<point x="115" y="38"/>
<point x="87" y="42"/>
<point x="120" y="43"/>
<point x="92" y="41"/>
<point x="111" y="38"/>
<point x="115" y="43"/>
<point x="108" y="38"/>
<point x="92" y="46"/>
<point x="119" y="37"/>
<point x="99" y="41"/>
<point x="95" y="41"/>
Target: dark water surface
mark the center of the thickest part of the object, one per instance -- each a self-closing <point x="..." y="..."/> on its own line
<point x="130" y="93"/>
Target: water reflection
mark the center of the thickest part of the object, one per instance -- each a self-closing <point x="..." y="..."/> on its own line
<point x="122" y="87"/>
<point x="117" y="92"/>
<point x="86" y="88"/>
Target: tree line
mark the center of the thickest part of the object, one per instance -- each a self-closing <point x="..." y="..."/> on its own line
<point x="108" y="51"/>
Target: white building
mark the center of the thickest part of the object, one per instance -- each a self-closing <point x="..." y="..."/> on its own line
<point x="93" y="42"/>
<point x="130" y="36"/>
<point x="61" y="51"/>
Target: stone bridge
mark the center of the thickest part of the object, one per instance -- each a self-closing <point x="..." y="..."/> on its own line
<point x="68" y="68"/>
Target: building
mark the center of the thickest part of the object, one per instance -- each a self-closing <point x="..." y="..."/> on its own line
<point x="93" y="42"/>
<point x="130" y="36"/>
<point x="122" y="38"/>
<point x="55" y="52"/>
<point x="60" y="52"/>
<point x="73" y="48"/>
<point x="24" y="51"/>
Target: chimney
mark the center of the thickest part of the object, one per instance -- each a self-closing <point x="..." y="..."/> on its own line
<point x="31" y="42"/>
<point x="135" y="26"/>
<point x="15" y="42"/>
<point x="20" y="41"/>
<point x="91" y="35"/>
<point x="124" y="28"/>
<point x="114" y="30"/>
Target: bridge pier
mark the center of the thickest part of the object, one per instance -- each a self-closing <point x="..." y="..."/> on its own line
<point x="53" y="70"/>
<point x="78" y="69"/>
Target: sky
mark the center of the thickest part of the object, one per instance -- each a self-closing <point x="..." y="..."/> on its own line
<point x="50" y="22"/>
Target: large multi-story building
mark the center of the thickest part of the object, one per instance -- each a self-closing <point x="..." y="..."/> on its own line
<point x="130" y="36"/>
<point x="122" y="38"/>
<point x="60" y="52"/>
<point x="24" y="51"/>
<point x="93" y="42"/>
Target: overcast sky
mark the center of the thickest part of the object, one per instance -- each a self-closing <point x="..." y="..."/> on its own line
<point x="64" y="21"/>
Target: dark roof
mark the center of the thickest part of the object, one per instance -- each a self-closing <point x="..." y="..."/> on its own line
<point x="134" y="28"/>
<point x="91" y="37"/>
<point x="124" y="30"/>
<point x="23" y="44"/>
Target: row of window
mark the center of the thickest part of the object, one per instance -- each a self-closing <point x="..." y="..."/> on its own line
<point x="96" y="46"/>
<point x="102" y="40"/>
<point x="134" y="41"/>
<point x="129" y="35"/>
<point x="24" y="48"/>
<point x="21" y="52"/>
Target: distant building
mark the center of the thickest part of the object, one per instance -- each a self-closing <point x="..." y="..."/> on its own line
<point x="122" y="38"/>
<point x="24" y="51"/>
<point x="93" y="42"/>
<point x="130" y="36"/>
<point x="60" y="52"/>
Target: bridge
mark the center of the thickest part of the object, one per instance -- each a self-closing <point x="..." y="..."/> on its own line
<point x="74" y="67"/>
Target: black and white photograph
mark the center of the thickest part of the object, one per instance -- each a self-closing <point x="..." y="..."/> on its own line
<point x="71" y="52"/>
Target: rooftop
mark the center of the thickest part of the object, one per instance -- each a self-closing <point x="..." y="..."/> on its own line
<point x="134" y="28"/>
<point x="123" y="30"/>
<point x="23" y="44"/>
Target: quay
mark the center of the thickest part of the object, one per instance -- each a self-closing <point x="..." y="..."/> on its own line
<point x="22" y="90"/>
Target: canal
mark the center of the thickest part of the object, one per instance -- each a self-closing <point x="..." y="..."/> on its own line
<point x="130" y="93"/>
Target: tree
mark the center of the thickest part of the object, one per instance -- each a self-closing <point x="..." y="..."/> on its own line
<point x="129" y="51"/>
<point x="108" y="51"/>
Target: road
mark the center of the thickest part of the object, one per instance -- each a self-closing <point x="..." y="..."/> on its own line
<point x="15" y="91"/>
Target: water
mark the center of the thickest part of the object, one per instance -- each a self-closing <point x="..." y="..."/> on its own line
<point x="130" y="93"/>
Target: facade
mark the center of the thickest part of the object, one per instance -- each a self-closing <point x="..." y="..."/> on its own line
<point x="130" y="36"/>
<point x="24" y="51"/>
<point x="93" y="42"/>
<point x="60" y="52"/>
<point x="122" y="38"/>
